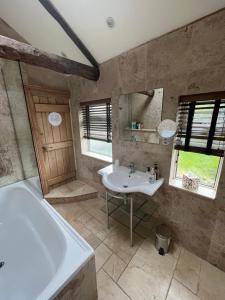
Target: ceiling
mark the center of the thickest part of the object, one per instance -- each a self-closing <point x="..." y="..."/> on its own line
<point x="136" y="22"/>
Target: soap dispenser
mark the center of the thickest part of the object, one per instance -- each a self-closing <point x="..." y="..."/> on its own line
<point x="152" y="175"/>
<point x="156" y="168"/>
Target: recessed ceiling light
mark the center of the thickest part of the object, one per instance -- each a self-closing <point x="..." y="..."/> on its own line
<point x="110" y="22"/>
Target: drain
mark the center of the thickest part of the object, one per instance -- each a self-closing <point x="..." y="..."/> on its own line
<point x="1" y="264"/>
<point x="125" y="186"/>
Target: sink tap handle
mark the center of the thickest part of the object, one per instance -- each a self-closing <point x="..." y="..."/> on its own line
<point x="132" y="167"/>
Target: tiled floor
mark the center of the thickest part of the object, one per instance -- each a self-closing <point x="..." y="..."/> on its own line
<point x="139" y="273"/>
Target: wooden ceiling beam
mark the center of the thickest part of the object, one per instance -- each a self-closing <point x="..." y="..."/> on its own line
<point x="69" y="31"/>
<point x="14" y="50"/>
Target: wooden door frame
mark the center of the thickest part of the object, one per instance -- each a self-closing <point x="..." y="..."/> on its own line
<point x="35" y="128"/>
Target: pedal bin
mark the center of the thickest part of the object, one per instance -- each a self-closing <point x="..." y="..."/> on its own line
<point x="162" y="239"/>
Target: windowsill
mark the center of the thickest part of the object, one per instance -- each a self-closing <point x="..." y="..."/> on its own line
<point x="203" y="191"/>
<point x="98" y="156"/>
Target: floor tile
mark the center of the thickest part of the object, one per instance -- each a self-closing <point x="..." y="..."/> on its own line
<point x="69" y="211"/>
<point x="111" y="207"/>
<point x="98" y="214"/>
<point x="78" y="224"/>
<point x="188" y="270"/>
<point x="98" y="228"/>
<point x="101" y="217"/>
<point x="146" y="229"/>
<point x="148" y="275"/>
<point x="80" y="228"/>
<point x="212" y="283"/>
<point x="115" y="201"/>
<point x="96" y="203"/>
<point x="93" y="240"/>
<point x="175" y="249"/>
<point x="84" y="218"/>
<point x="119" y="241"/>
<point x="114" y="267"/>
<point x="102" y="253"/>
<point x="108" y="289"/>
<point x="179" y="292"/>
<point x="123" y="218"/>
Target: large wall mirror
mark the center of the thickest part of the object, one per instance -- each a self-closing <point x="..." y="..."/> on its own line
<point x="140" y="115"/>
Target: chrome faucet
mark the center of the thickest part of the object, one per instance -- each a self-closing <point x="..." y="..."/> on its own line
<point x="132" y="168"/>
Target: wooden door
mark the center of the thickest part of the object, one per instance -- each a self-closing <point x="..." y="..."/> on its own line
<point x="53" y="145"/>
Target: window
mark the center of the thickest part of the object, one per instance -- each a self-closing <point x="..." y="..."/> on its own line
<point x="200" y="141"/>
<point x="97" y="129"/>
<point x="100" y="147"/>
<point x="204" y="166"/>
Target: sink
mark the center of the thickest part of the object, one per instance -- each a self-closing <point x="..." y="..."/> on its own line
<point x="119" y="179"/>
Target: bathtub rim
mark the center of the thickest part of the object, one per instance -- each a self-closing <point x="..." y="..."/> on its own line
<point x="74" y="235"/>
<point x="71" y="236"/>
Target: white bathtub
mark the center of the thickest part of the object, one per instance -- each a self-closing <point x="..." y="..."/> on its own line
<point x="41" y="251"/>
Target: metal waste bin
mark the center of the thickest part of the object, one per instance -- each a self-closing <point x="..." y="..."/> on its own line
<point x="163" y="238"/>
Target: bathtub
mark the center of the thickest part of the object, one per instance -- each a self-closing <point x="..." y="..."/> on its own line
<point x="40" y="250"/>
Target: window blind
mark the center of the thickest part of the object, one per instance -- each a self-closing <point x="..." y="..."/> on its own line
<point x="97" y="120"/>
<point x="200" y="122"/>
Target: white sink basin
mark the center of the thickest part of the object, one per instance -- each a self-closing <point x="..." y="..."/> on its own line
<point x="119" y="179"/>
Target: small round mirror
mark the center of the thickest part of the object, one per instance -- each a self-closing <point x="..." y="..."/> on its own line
<point x="167" y="130"/>
<point x="55" y="119"/>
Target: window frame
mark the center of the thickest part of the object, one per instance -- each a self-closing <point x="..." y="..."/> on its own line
<point x="204" y="190"/>
<point x="85" y="142"/>
<point x="188" y="105"/>
<point x="185" y="120"/>
<point x="97" y="120"/>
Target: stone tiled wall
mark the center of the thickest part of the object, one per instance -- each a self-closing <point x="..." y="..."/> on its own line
<point x="17" y="157"/>
<point x="10" y="163"/>
<point x="186" y="61"/>
<point x="18" y="109"/>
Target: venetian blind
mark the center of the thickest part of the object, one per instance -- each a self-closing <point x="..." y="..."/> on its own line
<point x="97" y="120"/>
<point x="201" y="123"/>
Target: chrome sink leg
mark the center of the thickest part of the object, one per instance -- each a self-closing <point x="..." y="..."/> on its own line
<point x="107" y="208"/>
<point x="125" y="199"/>
<point x="131" y="222"/>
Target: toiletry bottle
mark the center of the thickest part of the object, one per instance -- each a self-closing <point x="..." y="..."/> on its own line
<point x="133" y="124"/>
<point x="147" y="172"/>
<point x="116" y="163"/>
<point x="156" y="168"/>
<point x="152" y="176"/>
<point x="148" y="169"/>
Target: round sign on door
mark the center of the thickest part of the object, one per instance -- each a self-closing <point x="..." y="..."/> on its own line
<point x="55" y="119"/>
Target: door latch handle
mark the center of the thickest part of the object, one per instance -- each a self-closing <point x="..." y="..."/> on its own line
<point x="47" y="147"/>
